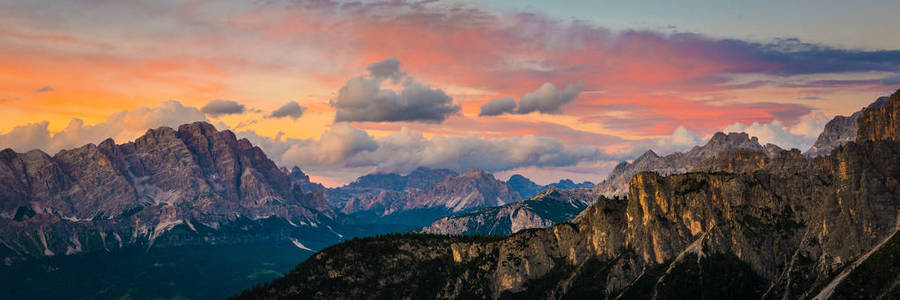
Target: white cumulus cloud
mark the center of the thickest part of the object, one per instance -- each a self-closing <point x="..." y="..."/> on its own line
<point x="122" y="126"/>
<point x="801" y="135"/>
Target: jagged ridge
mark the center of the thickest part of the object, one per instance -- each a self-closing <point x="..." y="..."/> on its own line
<point x="551" y="206"/>
<point x="193" y="181"/>
<point x="762" y="227"/>
<point x="676" y="163"/>
<point x="421" y="203"/>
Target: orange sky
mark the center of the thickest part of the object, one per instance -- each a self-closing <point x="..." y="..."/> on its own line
<point x="68" y="61"/>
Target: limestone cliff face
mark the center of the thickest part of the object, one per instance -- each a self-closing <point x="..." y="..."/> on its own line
<point x="745" y="226"/>
<point x="195" y="179"/>
<point x="880" y="123"/>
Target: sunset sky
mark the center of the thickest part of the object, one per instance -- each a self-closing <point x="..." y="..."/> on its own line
<point x="534" y="87"/>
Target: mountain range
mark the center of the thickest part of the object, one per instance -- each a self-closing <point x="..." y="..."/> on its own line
<point x="198" y="185"/>
<point x="549" y="207"/>
<point x="676" y="163"/>
<point x="168" y="187"/>
<point x="172" y="190"/>
<point x="420" y="197"/>
<point x="128" y="219"/>
<point x="748" y="224"/>
<point x="527" y="188"/>
<point x="544" y="211"/>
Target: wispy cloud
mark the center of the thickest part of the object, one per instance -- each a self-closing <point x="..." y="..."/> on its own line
<point x="44" y="89"/>
<point x="220" y="107"/>
<point x="291" y="110"/>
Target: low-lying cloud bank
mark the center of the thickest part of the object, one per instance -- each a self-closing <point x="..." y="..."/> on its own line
<point x="345" y="146"/>
<point x="801" y="135"/>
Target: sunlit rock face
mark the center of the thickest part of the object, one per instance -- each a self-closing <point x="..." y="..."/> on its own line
<point x="744" y="224"/>
<point x="879" y="121"/>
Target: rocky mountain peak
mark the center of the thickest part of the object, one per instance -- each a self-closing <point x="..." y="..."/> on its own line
<point x="107" y="144"/>
<point x="772" y="149"/>
<point x="721" y="142"/>
<point x="880" y="123"/>
<point x="296" y="170"/>
<point x="551" y="206"/>
<point x="390" y="181"/>
<point x="718" y="137"/>
<point x="474" y="189"/>
<point x="649" y="155"/>
<point x="432" y="192"/>
<point x="549" y="190"/>
<point x="732" y="140"/>
<point x="518" y="178"/>
<point x="423" y="178"/>
<point x="197" y="129"/>
<point x="297" y="174"/>
<point x="569" y="184"/>
<point x="7" y="153"/>
<point x="617" y="182"/>
<point x="146" y="187"/>
<point x="302" y="180"/>
<point x="475" y="172"/>
<point x="524" y="186"/>
<point x="879" y="102"/>
<point x="840" y="130"/>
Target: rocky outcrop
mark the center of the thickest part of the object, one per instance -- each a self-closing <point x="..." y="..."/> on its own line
<point x="748" y="227"/>
<point x="840" y="130"/>
<point x="194" y="181"/>
<point x="880" y="122"/>
<point x="552" y="206"/>
<point x="524" y="186"/>
<point x="302" y="180"/>
<point x="616" y="183"/>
